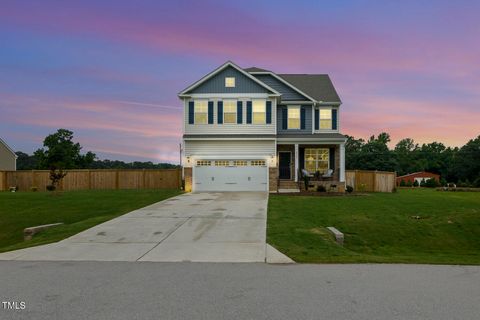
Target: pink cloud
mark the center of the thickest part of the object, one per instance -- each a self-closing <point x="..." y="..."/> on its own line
<point x="103" y="126"/>
<point x="423" y="121"/>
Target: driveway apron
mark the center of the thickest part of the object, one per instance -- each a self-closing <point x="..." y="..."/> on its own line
<point x="200" y="227"/>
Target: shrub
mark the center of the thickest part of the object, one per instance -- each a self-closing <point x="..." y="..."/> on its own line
<point x="476" y="183"/>
<point x="306" y="182"/>
<point x="422" y="183"/>
<point x="443" y="182"/>
<point x="51" y="187"/>
<point x="349" y="189"/>
<point x="409" y="183"/>
<point x="431" y="183"/>
<point x="402" y="183"/>
<point x="464" y="184"/>
<point x="321" y="188"/>
<point x="415" y="183"/>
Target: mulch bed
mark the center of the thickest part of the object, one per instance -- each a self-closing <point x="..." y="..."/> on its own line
<point x="321" y="194"/>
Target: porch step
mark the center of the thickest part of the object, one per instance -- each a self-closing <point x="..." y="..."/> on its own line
<point x="287" y="184"/>
<point x="288" y="190"/>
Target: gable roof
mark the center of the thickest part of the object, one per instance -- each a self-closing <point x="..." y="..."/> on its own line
<point x="255" y="69"/>
<point x="219" y="69"/>
<point x="8" y="148"/>
<point x="318" y="86"/>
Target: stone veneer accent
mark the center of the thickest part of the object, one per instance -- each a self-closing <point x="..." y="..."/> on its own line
<point x="187" y="175"/>
<point x="272" y="179"/>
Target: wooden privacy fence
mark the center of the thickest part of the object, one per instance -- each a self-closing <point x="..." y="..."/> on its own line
<point x="94" y="179"/>
<point x="371" y="181"/>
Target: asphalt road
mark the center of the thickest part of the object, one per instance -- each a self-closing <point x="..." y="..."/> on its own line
<point x="152" y="290"/>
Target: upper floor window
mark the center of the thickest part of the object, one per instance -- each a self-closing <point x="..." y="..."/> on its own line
<point x="201" y="111"/>
<point x="229" y="111"/>
<point x="326" y="119"/>
<point x="293" y="117"/>
<point x="230" y="82"/>
<point x="259" y="112"/>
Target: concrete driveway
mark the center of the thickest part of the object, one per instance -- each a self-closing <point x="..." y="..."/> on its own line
<point x="202" y="227"/>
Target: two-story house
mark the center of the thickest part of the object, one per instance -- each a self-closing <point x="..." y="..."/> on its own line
<point x="254" y="130"/>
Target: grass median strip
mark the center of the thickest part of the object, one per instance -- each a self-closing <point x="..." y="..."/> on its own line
<point x="410" y="226"/>
<point x="78" y="210"/>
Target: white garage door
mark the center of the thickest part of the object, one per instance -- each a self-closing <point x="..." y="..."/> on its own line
<point x="226" y="176"/>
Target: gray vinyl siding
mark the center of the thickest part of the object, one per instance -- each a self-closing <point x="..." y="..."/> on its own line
<point x="287" y="92"/>
<point x="216" y="84"/>
<point x="308" y="121"/>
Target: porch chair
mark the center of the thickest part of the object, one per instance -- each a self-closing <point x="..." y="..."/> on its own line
<point x="328" y="174"/>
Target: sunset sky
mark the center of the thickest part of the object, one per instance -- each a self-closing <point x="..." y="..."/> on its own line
<point x="110" y="70"/>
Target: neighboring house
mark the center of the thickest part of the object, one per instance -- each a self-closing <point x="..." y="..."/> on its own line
<point x="418" y="176"/>
<point x="249" y="129"/>
<point x="8" y="158"/>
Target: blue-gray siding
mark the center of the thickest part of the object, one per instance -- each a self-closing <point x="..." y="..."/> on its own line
<point x="308" y="121"/>
<point x="216" y="84"/>
<point x="288" y="94"/>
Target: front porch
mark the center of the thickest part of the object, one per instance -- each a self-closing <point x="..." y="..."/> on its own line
<point x="324" y="164"/>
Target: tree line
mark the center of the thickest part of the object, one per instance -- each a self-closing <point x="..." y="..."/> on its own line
<point x="61" y="152"/>
<point x="458" y="164"/>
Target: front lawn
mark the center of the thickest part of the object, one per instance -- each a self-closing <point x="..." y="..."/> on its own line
<point x="379" y="227"/>
<point x="79" y="210"/>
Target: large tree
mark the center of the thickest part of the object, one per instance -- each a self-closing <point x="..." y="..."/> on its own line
<point x="467" y="161"/>
<point x="60" y="151"/>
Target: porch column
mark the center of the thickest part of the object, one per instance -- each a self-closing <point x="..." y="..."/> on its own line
<point x="296" y="162"/>
<point x="342" y="162"/>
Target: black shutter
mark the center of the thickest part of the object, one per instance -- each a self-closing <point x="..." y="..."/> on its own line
<point x="284" y="118"/>
<point x="191" y="112"/>
<point x="210" y="112"/>
<point x="334" y="119"/>
<point x="239" y="112"/>
<point x="302" y="118"/>
<point x="332" y="158"/>
<point x="317" y="119"/>
<point x="269" y="112"/>
<point x="249" y="111"/>
<point x="220" y="112"/>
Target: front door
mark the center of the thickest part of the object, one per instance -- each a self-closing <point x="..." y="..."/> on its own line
<point x="284" y="162"/>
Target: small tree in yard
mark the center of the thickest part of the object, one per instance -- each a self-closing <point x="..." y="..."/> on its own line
<point x="402" y="183"/>
<point x="415" y="183"/>
<point x="56" y="176"/>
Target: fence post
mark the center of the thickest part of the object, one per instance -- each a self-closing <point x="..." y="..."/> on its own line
<point x="4" y="182"/>
<point x="117" y="179"/>
<point x="144" y="184"/>
<point x="33" y="179"/>
<point x="375" y="181"/>
<point x="179" y="172"/>
<point x="89" y="179"/>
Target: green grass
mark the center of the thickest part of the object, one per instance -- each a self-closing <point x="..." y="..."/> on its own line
<point x="379" y="227"/>
<point x="79" y="210"/>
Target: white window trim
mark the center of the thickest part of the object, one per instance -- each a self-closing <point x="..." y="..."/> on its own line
<point x="234" y="108"/>
<point x="228" y="84"/>
<point x="195" y="113"/>
<point x="299" y="117"/>
<point x="320" y="119"/>
<point x="316" y="161"/>
<point x="265" y="112"/>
